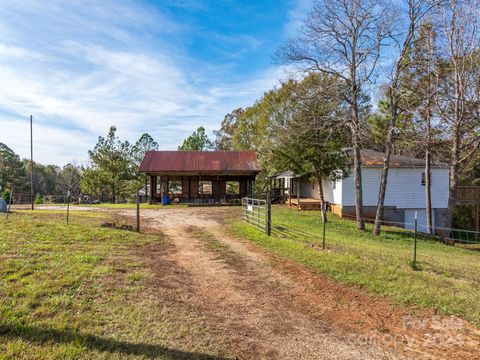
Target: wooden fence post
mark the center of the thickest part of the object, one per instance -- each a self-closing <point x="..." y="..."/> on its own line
<point x="324" y="210"/>
<point x="9" y="203"/>
<point x="269" y="214"/>
<point x="415" y="242"/>
<point x="68" y="206"/>
<point x="138" y="211"/>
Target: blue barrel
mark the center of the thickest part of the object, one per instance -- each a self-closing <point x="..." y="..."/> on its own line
<point x="165" y="200"/>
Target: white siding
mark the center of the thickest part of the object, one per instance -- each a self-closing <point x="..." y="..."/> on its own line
<point x="337" y="192"/>
<point x="332" y="192"/>
<point x="404" y="188"/>
<point x="421" y="222"/>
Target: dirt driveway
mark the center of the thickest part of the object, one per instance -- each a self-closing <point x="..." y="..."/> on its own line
<point x="264" y="307"/>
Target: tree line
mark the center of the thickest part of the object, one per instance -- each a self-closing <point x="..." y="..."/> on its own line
<point x="110" y="175"/>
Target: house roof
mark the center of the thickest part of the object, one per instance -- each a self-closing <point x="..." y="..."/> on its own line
<point x="285" y="174"/>
<point x="200" y="161"/>
<point x="371" y="158"/>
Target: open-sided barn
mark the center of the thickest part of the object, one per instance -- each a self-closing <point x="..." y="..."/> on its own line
<point x="200" y="176"/>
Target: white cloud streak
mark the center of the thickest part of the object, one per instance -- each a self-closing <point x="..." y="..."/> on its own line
<point x="80" y="67"/>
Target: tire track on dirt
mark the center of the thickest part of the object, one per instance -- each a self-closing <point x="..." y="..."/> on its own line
<point x="245" y="301"/>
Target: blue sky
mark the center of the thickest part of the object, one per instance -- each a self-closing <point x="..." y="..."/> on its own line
<point x="162" y="67"/>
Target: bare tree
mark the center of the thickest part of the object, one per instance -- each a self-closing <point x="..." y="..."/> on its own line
<point x="429" y="91"/>
<point x="459" y="100"/>
<point x="416" y="10"/>
<point x="344" y="38"/>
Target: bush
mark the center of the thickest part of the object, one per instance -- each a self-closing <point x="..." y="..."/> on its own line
<point x="6" y="196"/>
<point x="38" y="199"/>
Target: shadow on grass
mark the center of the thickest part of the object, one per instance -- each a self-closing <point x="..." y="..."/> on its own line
<point x="93" y="342"/>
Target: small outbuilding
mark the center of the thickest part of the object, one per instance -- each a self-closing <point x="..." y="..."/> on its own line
<point x="200" y="176"/>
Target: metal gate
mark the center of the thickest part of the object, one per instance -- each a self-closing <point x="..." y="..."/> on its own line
<point x="257" y="213"/>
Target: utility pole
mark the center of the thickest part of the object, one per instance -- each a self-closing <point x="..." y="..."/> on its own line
<point x="31" y="161"/>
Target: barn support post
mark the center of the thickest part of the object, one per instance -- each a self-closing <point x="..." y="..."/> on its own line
<point x="150" y="201"/>
<point x="160" y="180"/>
<point x="189" y="188"/>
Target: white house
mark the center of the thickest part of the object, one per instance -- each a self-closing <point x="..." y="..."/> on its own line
<point x="405" y="193"/>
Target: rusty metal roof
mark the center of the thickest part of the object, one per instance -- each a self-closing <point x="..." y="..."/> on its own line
<point x="200" y="161"/>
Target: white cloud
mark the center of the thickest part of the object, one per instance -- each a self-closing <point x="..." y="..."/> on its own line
<point x="296" y="16"/>
<point x="80" y="67"/>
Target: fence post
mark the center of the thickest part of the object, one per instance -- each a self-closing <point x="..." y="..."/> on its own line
<point x="68" y="207"/>
<point x="269" y="214"/>
<point x="415" y="242"/>
<point x="138" y="211"/>
<point x="324" y="210"/>
<point x="9" y="203"/>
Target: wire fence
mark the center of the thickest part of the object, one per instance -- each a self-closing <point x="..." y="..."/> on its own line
<point x="26" y="199"/>
<point x="65" y="203"/>
<point x="441" y="233"/>
<point x="255" y="214"/>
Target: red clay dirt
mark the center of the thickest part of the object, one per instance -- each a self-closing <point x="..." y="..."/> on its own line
<point x="261" y="306"/>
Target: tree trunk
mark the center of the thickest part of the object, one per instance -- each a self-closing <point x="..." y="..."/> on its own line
<point x="357" y="159"/>
<point x="322" y="198"/>
<point x="383" y="183"/>
<point x="455" y="152"/>
<point x="114" y="195"/>
<point x="453" y="182"/>
<point x="357" y="169"/>
<point x="428" y="181"/>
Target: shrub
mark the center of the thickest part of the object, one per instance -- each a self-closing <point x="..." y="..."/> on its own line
<point x="38" y="199"/>
<point x="6" y="196"/>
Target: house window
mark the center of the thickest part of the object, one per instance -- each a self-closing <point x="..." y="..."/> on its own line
<point x="233" y="187"/>
<point x="175" y="187"/>
<point x="313" y="184"/>
<point x="424" y="180"/>
<point x="205" y="187"/>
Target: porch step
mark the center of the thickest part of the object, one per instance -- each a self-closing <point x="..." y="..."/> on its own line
<point x="309" y="206"/>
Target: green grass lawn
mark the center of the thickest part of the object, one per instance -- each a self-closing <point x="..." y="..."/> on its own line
<point x="79" y="291"/>
<point x="121" y="206"/>
<point x="447" y="278"/>
<point x="132" y="206"/>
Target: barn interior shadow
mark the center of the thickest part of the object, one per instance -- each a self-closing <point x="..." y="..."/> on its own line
<point x="93" y="342"/>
